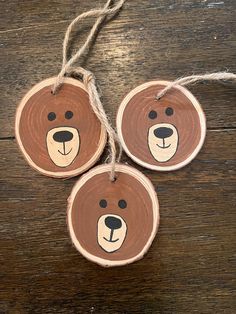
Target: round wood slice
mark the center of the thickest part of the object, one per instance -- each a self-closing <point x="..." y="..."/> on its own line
<point x="113" y="223"/>
<point x="59" y="135"/>
<point x="163" y="134"/>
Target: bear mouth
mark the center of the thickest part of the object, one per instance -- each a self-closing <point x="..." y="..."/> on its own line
<point x="64" y="149"/>
<point x="164" y="146"/>
<point x="111" y="236"/>
<point x="112" y="241"/>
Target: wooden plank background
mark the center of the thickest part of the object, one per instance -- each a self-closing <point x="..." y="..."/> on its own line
<point x="190" y="267"/>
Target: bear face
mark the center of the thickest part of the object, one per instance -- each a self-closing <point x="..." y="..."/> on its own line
<point x="113" y="223"/>
<point x="163" y="134"/>
<point x="59" y="134"/>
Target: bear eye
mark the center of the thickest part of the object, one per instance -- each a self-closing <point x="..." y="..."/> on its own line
<point x="169" y="111"/>
<point x="152" y="114"/>
<point x="68" y="114"/>
<point x="103" y="203"/>
<point x="51" y="116"/>
<point x="122" y="204"/>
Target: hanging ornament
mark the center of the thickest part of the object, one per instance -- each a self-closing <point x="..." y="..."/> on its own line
<point x="59" y="134"/>
<point x="113" y="223"/>
<point x="161" y="125"/>
<point x="161" y="134"/>
<point x="57" y="129"/>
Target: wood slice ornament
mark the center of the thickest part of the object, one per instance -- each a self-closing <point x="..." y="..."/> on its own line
<point x="59" y="135"/>
<point x="164" y="134"/>
<point x="113" y="223"/>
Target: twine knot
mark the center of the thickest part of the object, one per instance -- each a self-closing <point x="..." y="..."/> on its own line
<point x="88" y="77"/>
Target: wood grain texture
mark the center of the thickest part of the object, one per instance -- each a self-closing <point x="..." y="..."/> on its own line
<point x="190" y="267"/>
<point x="161" y="135"/>
<point x="104" y="231"/>
<point x="53" y="143"/>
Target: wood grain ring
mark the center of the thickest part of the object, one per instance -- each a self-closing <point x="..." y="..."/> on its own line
<point x="131" y="198"/>
<point x="140" y="115"/>
<point x="71" y="111"/>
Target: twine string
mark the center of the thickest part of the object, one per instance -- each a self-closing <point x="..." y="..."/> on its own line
<point x="104" y="14"/>
<point x="96" y="104"/>
<point x="218" y="76"/>
<point x="89" y="39"/>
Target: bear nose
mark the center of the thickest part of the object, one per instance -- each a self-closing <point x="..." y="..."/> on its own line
<point x="62" y="136"/>
<point x="113" y="222"/>
<point x="163" y="132"/>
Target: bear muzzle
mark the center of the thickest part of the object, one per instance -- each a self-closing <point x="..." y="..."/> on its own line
<point x="63" y="145"/>
<point x="111" y="232"/>
<point x="163" y="141"/>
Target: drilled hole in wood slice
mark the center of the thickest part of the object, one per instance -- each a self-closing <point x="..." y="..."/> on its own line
<point x="163" y="134"/>
<point x="59" y="135"/>
<point x="113" y="223"/>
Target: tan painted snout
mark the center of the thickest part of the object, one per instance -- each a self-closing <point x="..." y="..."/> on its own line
<point x="111" y="232"/>
<point x="63" y="145"/>
<point x="163" y="141"/>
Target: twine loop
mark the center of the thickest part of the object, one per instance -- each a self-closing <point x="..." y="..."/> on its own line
<point x="89" y="81"/>
<point x="67" y="69"/>
<point x="183" y="81"/>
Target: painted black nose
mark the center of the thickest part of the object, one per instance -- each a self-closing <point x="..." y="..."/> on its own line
<point x="62" y="136"/>
<point x="113" y="222"/>
<point x="163" y="132"/>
